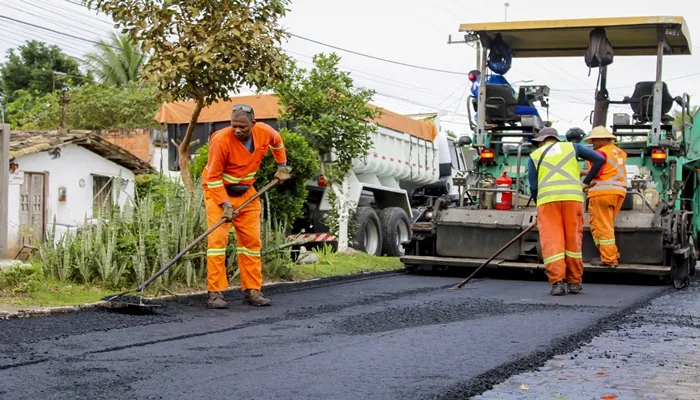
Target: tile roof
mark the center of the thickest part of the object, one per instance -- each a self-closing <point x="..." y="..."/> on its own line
<point x="23" y="143"/>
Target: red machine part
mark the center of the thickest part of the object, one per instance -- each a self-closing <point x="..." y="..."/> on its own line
<point x="504" y="200"/>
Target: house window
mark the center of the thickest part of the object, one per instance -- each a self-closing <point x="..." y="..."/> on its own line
<point x="101" y="195"/>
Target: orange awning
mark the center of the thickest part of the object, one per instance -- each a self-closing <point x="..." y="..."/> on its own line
<point x="266" y="106"/>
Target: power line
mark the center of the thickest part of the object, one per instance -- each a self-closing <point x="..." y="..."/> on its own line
<point x="379" y="58"/>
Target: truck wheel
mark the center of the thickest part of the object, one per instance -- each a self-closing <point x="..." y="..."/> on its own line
<point x="396" y="229"/>
<point x="368" y="237"/>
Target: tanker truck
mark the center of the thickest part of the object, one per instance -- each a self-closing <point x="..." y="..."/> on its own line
<point x="409" y="165"/>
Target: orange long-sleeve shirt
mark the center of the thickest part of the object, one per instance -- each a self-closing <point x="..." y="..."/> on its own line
<point x="231" y="163"/>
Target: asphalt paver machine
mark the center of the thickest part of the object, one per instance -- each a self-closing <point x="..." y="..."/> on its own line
<point x="657" y="229"/>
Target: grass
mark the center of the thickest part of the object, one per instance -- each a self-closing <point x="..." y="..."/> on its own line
<point x="51" y="294"/>
<point x="336" y="264"/>
<point x="48" y="294"/>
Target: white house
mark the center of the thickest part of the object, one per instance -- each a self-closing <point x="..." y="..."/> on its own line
<point x="66" y="176"/>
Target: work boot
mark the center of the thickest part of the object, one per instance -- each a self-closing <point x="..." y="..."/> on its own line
<point x="558" y="289"/>
<point x="255" y="297"/>
<point x="216" y="300"/>
<point x="597" y="262"/>
<point x="574" y="288"/>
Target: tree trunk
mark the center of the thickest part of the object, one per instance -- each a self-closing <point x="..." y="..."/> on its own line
<point x="183" y="150"/>
<point x="341" y="195"/>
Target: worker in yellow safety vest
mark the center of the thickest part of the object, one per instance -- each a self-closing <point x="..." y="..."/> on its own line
<point x="606" y="197"/>
<point x="554" y="178"/>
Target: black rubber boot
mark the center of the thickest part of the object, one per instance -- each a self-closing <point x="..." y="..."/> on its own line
<point x="597" y="262"/>
<point x="574" y="288"/>
<point x="216" y="300"/>
<point x="255" y="297"/>
<point x="558" y="289"/>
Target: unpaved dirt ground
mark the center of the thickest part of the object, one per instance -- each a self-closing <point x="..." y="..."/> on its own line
<point x="391" y="337"/>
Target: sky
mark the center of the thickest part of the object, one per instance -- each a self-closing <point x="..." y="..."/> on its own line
<point x="416" y="32"/>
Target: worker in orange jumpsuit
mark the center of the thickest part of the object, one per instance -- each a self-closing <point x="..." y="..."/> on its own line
<point x="606" y="197"/>
<point x="554" y="179"/>
<point x="235" y="155"/>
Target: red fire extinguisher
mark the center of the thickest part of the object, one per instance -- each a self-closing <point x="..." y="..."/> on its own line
<point x="504" y="200"/>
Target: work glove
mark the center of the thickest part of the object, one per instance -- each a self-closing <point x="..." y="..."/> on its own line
<point x="283" y="174"/>
<point x="229" y="213"/>
<point x="587" y="187"/>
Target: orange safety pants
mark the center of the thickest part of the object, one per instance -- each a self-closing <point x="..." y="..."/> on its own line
<point x="561" y="233"/>
<point x="248" y="244"/>
<point x="603" y="210"/>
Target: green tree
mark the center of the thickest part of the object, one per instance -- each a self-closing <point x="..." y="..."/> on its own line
<point x="333" y="116"/>
<point x="203" y="50"/>
<point x="678" y="115"/>
<point x="32" y="67"/>
<point x="31" y="111"/>
<point x="98" y="106"/>
<point x="116" y="62"/>
<point x="94" y="106"/>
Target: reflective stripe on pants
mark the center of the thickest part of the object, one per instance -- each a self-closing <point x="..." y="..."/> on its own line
<point x="560" y="224"/>
<point x="602" y="211"/>
<point x="247" y="226"/>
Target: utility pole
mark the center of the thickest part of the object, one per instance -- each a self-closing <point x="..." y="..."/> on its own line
<point x="506" y="13"/>
<point x="4" y="187"/>
<point x="65" y="99"/>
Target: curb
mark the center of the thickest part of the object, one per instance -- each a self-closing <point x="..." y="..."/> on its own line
<point x="275" y="287"/>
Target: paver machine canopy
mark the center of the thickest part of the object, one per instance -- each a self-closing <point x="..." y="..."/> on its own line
<point x="657" y="230"/>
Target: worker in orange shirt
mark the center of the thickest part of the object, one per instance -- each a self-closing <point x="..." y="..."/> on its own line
<point x="235" y="154"/>
<point x="606" y="197"/>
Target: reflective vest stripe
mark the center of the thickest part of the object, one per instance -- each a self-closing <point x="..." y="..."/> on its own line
<point x="616" y="183"/>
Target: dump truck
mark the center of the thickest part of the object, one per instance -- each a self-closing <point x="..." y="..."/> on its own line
<point x="657" y="229"/>
<point x="410" y="164"/>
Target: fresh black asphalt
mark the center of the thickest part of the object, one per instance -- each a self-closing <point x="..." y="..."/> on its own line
<point x="395" y="336"/>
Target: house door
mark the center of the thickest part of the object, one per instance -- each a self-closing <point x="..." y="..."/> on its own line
<point x="31" y="200"/>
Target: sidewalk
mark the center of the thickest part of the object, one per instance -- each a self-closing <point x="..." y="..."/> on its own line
<point x="655" y="354"/>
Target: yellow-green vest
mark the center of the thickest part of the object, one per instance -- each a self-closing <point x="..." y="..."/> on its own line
<point x="558" y="178"/>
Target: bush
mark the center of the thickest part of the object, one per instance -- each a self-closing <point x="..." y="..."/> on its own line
<point x="20" y="278"/>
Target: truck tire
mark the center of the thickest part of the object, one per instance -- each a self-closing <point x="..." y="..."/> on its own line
<point x="368" y="237"/>
<point x="396" y="228"/>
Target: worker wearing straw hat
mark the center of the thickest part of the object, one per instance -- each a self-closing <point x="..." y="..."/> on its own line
<point x="606" y="197"/>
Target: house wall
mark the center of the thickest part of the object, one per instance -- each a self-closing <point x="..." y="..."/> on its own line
<point x="74" y="164"/>
<point x="135" y="141"/>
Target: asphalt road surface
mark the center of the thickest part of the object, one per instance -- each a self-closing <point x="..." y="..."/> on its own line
<point x="390" y="337"/>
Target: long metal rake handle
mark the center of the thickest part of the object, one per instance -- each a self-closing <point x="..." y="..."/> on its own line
<point x="507" y="245"/>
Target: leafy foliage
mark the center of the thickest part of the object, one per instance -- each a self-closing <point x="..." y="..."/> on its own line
<point x="31" y="67"/>
<point x="116" y="62"/>
<point x="329" y="111"/>
<point x="287" y="200"/>
<point x="97" y="106"/>
<point x="334" y="117"/>
<point x="32" y="111"/>
<point x="202" y="49"/>
<point x="678" y="115"/>
<point x="93" y="106"/>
